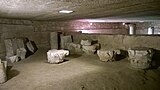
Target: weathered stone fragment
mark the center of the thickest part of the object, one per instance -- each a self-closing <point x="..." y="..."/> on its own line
<point x="108" y="55"/>
<point x="15" y="46"/>
<point x="89" y="49"/>
<point x="140" y="57"/>
<point x="74" y="48"/>
<point x="30" y="46"/>
<point x="3" y="67"/>
<point x="20" y="43"/>
<point x="98" y="46"/>
<point x="21" y="53"/>
<point x="56" y="56"/>
<point x="85" y="42"/>
<point x="9" y="47"/>
<point x="12" y="59"/>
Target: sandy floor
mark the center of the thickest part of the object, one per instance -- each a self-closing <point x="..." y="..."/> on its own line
<point x="78" y="73"/>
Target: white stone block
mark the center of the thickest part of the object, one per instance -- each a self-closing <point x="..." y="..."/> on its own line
<point x="56" y="56"/>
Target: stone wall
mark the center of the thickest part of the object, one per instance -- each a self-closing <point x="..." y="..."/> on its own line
<point x="39" y="32"/>
<point x="35" y="31"/>
<point x="120" y="41"/>
<point x="90" y="27"/>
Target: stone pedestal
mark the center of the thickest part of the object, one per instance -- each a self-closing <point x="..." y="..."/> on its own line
<point x="56" y="56"/>
<point x="140" y="57"/>
<point x="108" y="55"/>
<point x="3" y="69"/>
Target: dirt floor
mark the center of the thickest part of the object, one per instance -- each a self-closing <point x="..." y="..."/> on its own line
<point x="78" y="73"/>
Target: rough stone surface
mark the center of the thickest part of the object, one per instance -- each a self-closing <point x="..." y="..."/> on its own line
<point x="140" y="57"/>
<point x="9" y="47"/>
<point x="21" y="53"/>
<point x="64" y="40"/>
<point x="108" y="55"/>
<point x="16" y="48"/>
<point x="74" y="48"/>
<point x="85" y="42"/>
<point x="12" y="59"/>
<point x="20" y="43"/>
<point x="89" y="50"/>
<point x="98" y="46"/>
<point x="56" y="56"/>
<point x="54" y="40"/>
<point x="30" y="46"/>
<point x="15" y="45"/>
<point x="3" y="76"/>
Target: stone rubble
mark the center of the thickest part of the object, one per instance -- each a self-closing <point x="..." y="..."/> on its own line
<point x="17" y="48"/>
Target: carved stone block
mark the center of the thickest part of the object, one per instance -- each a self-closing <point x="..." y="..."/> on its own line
<point x="56" y="56"/>
<point x="140" y="57"/>
<point x="108" y="55"/>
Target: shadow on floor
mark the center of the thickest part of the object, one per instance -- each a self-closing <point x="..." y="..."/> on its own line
<point x="73" y="56"/>
<point x="121" y="56"/>
<point x="156" y="59"/>
<point x="11" y="72"/>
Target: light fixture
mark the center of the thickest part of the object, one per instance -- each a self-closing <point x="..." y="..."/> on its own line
<point x="141" y="21"/>
<point x="65" y="11"/>
<point x="123" y="23"/>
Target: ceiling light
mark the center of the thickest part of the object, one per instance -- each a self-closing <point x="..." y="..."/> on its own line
<point x="123" y="23"/>
<point x="65" y="11"/>
<point x="141" y="21"/>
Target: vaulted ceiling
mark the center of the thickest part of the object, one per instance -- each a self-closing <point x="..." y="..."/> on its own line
<point x="83" y="9"/>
